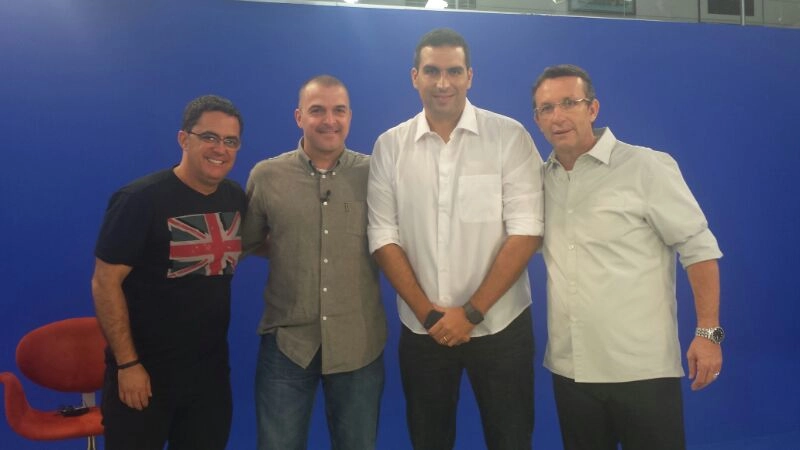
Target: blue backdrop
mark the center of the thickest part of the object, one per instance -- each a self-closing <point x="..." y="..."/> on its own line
<point x="92" y="93"/>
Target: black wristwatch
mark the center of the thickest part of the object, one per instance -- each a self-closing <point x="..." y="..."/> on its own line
<point x="432" y="318"/>
<point x="473" y="315"/>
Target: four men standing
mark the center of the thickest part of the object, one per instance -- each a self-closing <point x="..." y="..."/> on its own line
<point x="456" y="208"/>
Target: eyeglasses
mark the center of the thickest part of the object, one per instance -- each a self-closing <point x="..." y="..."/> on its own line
<point x="208" y="137"/>
<point x="547" y="109"/>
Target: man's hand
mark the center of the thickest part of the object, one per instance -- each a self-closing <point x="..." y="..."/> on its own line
<point x="134" y="387"/>
<point x="705" y="362"/>
<point x="453" y="328"/>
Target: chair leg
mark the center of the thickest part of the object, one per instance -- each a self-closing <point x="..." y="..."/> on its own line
<point x="92" y="444"/>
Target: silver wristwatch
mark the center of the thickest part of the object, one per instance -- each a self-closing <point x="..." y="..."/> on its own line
<point x="715" y="335"/>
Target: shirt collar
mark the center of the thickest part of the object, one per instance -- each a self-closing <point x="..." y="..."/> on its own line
<point x="468" y="121"/>
<point x="601" y="151"/>
<point x="306" y="160"/>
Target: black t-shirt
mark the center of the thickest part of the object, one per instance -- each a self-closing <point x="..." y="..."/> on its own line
<point x="183" y="247"/>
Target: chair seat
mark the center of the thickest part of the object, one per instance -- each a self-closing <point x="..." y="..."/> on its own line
<point x="50" y="425"/>
<point x="40" y="425"/>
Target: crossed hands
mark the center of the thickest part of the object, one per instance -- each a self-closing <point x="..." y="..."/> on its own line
<point x="453" y="328"/>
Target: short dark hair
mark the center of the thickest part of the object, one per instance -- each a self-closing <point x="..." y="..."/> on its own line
<point x="206" y="103"/>
<point x="564" y="70"/>
<point x="322" y="80"/>
<point x="442" y="37"/>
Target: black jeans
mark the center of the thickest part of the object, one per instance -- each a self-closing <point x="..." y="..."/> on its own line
<point x="641" y="415"/>
<point x="500" y="370"/>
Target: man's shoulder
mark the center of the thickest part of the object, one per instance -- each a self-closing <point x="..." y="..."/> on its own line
<point x="401" y="128"/>
<point x="149" y="182"/>
<point x="356" y="158"/>
<point x="496" y="119"/>
<point x="277" y="163"/>
<point x="649" y="159"/>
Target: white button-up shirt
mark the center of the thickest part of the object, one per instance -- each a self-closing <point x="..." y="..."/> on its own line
<point x="450" y="206"/>
<point x="614" y="224"/>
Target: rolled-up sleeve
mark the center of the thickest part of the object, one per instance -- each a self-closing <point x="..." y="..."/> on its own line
<point x="382" y="228"/>
<point x="675" y="214"/>
<point x="523" y="199"/>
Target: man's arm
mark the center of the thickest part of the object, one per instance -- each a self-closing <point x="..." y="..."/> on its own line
<point x="112" y="313"/>
<point x="704" y="357"/>
<point x="392" y="260"/>
<point x="255" y="227"/>
<point x="505" y="270"/>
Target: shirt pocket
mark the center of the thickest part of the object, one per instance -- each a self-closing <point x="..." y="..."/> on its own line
<point x="480" y="198"/>
<point x="611" y="218"/>
<point x="355" y="218"/>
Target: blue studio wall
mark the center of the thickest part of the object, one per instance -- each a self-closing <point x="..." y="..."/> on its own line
<point x="92" y="93"/>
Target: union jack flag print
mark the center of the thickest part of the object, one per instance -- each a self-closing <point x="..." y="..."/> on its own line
<point x="204" y="244"/>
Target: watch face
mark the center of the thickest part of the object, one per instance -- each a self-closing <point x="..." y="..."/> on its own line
<point x="718" y="334"/>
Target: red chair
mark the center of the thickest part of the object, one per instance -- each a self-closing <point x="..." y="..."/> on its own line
<point x="66" y="356"/>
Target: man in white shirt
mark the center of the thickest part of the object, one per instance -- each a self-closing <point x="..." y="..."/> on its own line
<point x="455" y="213"/>
<point x="616" y="215"/>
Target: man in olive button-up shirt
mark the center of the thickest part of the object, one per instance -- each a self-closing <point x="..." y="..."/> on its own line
<point x="324" y="320"/>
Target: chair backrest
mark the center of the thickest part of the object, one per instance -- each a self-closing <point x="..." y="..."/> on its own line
<point x="66" y="356"/>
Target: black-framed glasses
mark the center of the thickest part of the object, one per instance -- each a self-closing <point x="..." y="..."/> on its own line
<point x="231" y="143"/>
<point x="547" y="109"/>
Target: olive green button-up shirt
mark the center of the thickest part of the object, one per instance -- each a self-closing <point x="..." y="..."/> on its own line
<point x="322" y="289"/>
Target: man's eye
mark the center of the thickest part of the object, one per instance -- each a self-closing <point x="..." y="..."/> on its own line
<point x="210" y="138"/>
<point x="568" y="103"/>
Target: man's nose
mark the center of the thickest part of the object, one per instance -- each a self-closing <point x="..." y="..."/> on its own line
<point x="443" y="81"/>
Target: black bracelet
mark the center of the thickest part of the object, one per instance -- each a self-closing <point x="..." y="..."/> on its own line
<point x="127" y="364"/>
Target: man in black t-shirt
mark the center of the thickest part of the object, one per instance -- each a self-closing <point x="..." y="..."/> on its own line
<point x="165" y="256"/>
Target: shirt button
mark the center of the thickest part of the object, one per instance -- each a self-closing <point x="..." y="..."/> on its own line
<point x="569" y="211"/>
<point x="325" y="203"/>
<point x="333" y="173"/>
<point x="324" y="176"/>
<point x="324" y="317"/>
<point x="324" y="289"/>
<point x="325" y="260"/>
<point x="325" y="231"/>
<point x="571" y="247"/>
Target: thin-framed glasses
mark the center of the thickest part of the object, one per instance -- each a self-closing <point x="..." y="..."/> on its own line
<point x="547" y="109"/>
<point x="208" y="137"/>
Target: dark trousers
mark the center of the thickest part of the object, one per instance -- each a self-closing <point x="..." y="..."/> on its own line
<point x="189" y="412"/>
<point x="640" y="415"/>
<point x="500" y="370"/>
